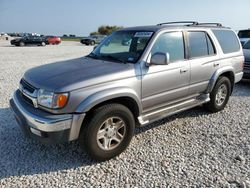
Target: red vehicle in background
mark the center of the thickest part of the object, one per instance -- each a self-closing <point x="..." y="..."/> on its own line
<point x="53" y="40"/>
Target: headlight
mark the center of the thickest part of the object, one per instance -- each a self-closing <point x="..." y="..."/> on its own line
<point x="52" y="100"/>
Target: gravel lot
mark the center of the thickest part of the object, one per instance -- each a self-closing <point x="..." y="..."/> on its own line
<point x="193" y="148"/>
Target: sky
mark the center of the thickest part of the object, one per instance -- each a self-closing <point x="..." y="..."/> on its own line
<point x="80" y="17"/>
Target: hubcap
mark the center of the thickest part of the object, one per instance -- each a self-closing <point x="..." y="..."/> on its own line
<point x="221" y="95"/>
<point x="111" y="133"/>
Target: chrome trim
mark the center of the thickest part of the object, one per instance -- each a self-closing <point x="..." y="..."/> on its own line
<point x="141" y="121"/>
<point x="34" y="100"/>
<point x="31" y="96"/>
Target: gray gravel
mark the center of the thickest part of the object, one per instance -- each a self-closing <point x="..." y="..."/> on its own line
<point x="193" y="148"/>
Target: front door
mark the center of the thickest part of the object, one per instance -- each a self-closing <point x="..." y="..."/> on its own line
<point x="163" y="84"/>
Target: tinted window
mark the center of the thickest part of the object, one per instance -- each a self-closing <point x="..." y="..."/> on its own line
<point x="171" y="43"/>
<point x="244" y="34"/>
<point x="247" y="45"/>
<point x="200" y="45"/>
<point x="123" y="46"/>
<point x="228" y="41"/>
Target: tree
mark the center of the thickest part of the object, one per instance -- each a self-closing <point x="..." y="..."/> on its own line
<point x="94" y="33"/>
<point x="106" y="30"/>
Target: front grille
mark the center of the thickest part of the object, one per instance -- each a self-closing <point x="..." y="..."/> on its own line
<point x="28" y="92"/>
<point x="26" y="99"/>
<point x="247" y="65"/>
<point x="27" y="86"/>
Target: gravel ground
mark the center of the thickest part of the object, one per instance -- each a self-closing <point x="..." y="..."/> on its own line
<point x="193" y="148"/>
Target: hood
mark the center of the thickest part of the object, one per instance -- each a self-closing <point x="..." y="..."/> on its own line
<point x="78" y="73"/>
<point x="16" y="39"/>
<point x="246" y="55"/>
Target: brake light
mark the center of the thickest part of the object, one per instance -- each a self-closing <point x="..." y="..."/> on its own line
<point x="242" y="65"/>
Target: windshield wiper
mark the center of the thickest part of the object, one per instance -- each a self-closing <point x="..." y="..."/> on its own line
<point x="92" y="55"/>
<point x="110" y="57"/>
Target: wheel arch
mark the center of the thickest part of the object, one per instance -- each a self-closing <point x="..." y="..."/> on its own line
<point x="227" y="72"/>
<point x="124" y="96"/>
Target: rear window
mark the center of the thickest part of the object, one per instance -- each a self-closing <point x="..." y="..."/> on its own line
<point x="228" y="41"/>
<point x="244" y="34"/>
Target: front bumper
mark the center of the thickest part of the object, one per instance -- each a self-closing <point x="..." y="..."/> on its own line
<point x="44" y="126"/>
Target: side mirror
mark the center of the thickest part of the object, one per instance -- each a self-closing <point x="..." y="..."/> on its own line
<point x="160" y="58"/>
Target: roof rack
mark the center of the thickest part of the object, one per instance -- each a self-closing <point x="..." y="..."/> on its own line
<point x="187" y="23"/>
<point x="192" y="23"/>
<point x="211" y="24"/>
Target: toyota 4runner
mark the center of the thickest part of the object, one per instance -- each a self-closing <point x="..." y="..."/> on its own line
<point x="100" y="98"/>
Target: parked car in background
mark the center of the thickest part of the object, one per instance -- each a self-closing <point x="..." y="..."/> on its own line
<point x="246" y="50"/>
<point x="53" y="40"/>
<point x="100" y="98"/>
<point x="244" y="36"/>
<point x="92" y="40"/>
<point x="30" y="40"/>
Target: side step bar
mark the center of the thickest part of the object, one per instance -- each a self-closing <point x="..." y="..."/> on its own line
<point x="170" y="110"/>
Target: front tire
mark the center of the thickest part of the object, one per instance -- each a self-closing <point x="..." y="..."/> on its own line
<point x="92" y="43"/>
<point x="220" y="95"/>
<point x="108" y="131"/>
<point x="43" y="44"/>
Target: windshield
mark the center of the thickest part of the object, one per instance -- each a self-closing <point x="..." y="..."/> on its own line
<point x="247" y="45"/>
<point x="123" y="46"/>
<point x="244" y="34"/>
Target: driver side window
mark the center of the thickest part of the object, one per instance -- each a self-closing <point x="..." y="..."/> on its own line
<point x="171" y="43"/>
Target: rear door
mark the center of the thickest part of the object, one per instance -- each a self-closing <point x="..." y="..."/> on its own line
<point x="203" y="60"/>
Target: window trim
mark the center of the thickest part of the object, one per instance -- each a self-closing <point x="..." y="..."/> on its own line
<point x="184" y="46"/>
<point x="207" y="36"/>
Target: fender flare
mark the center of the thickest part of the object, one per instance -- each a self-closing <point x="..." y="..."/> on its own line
<point x="216" y="75"/>
<point x="106" y="95"/>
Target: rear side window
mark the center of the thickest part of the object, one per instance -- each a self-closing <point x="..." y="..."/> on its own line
<point x="200" y="44"/>
<point x="228" y="41"/>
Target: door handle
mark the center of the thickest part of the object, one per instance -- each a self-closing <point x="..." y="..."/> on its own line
<point x="216" y="64"/>
<point x="184" y="70"/>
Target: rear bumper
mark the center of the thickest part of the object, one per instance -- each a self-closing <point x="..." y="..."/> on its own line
<point x="238" y="77"/>
<point x="45" y="127"/>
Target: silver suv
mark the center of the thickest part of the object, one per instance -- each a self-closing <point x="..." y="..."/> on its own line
<point x="100" y="98"/>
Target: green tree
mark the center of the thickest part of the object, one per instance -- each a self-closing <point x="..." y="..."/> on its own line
<point x="106" y="30"/>
<point x="94" y="33"/>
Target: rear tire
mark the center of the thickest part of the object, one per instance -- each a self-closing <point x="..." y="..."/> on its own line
<point x="92" y="43"/>
<point x="108" y="131"/>
<point x="220" y="95"/>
